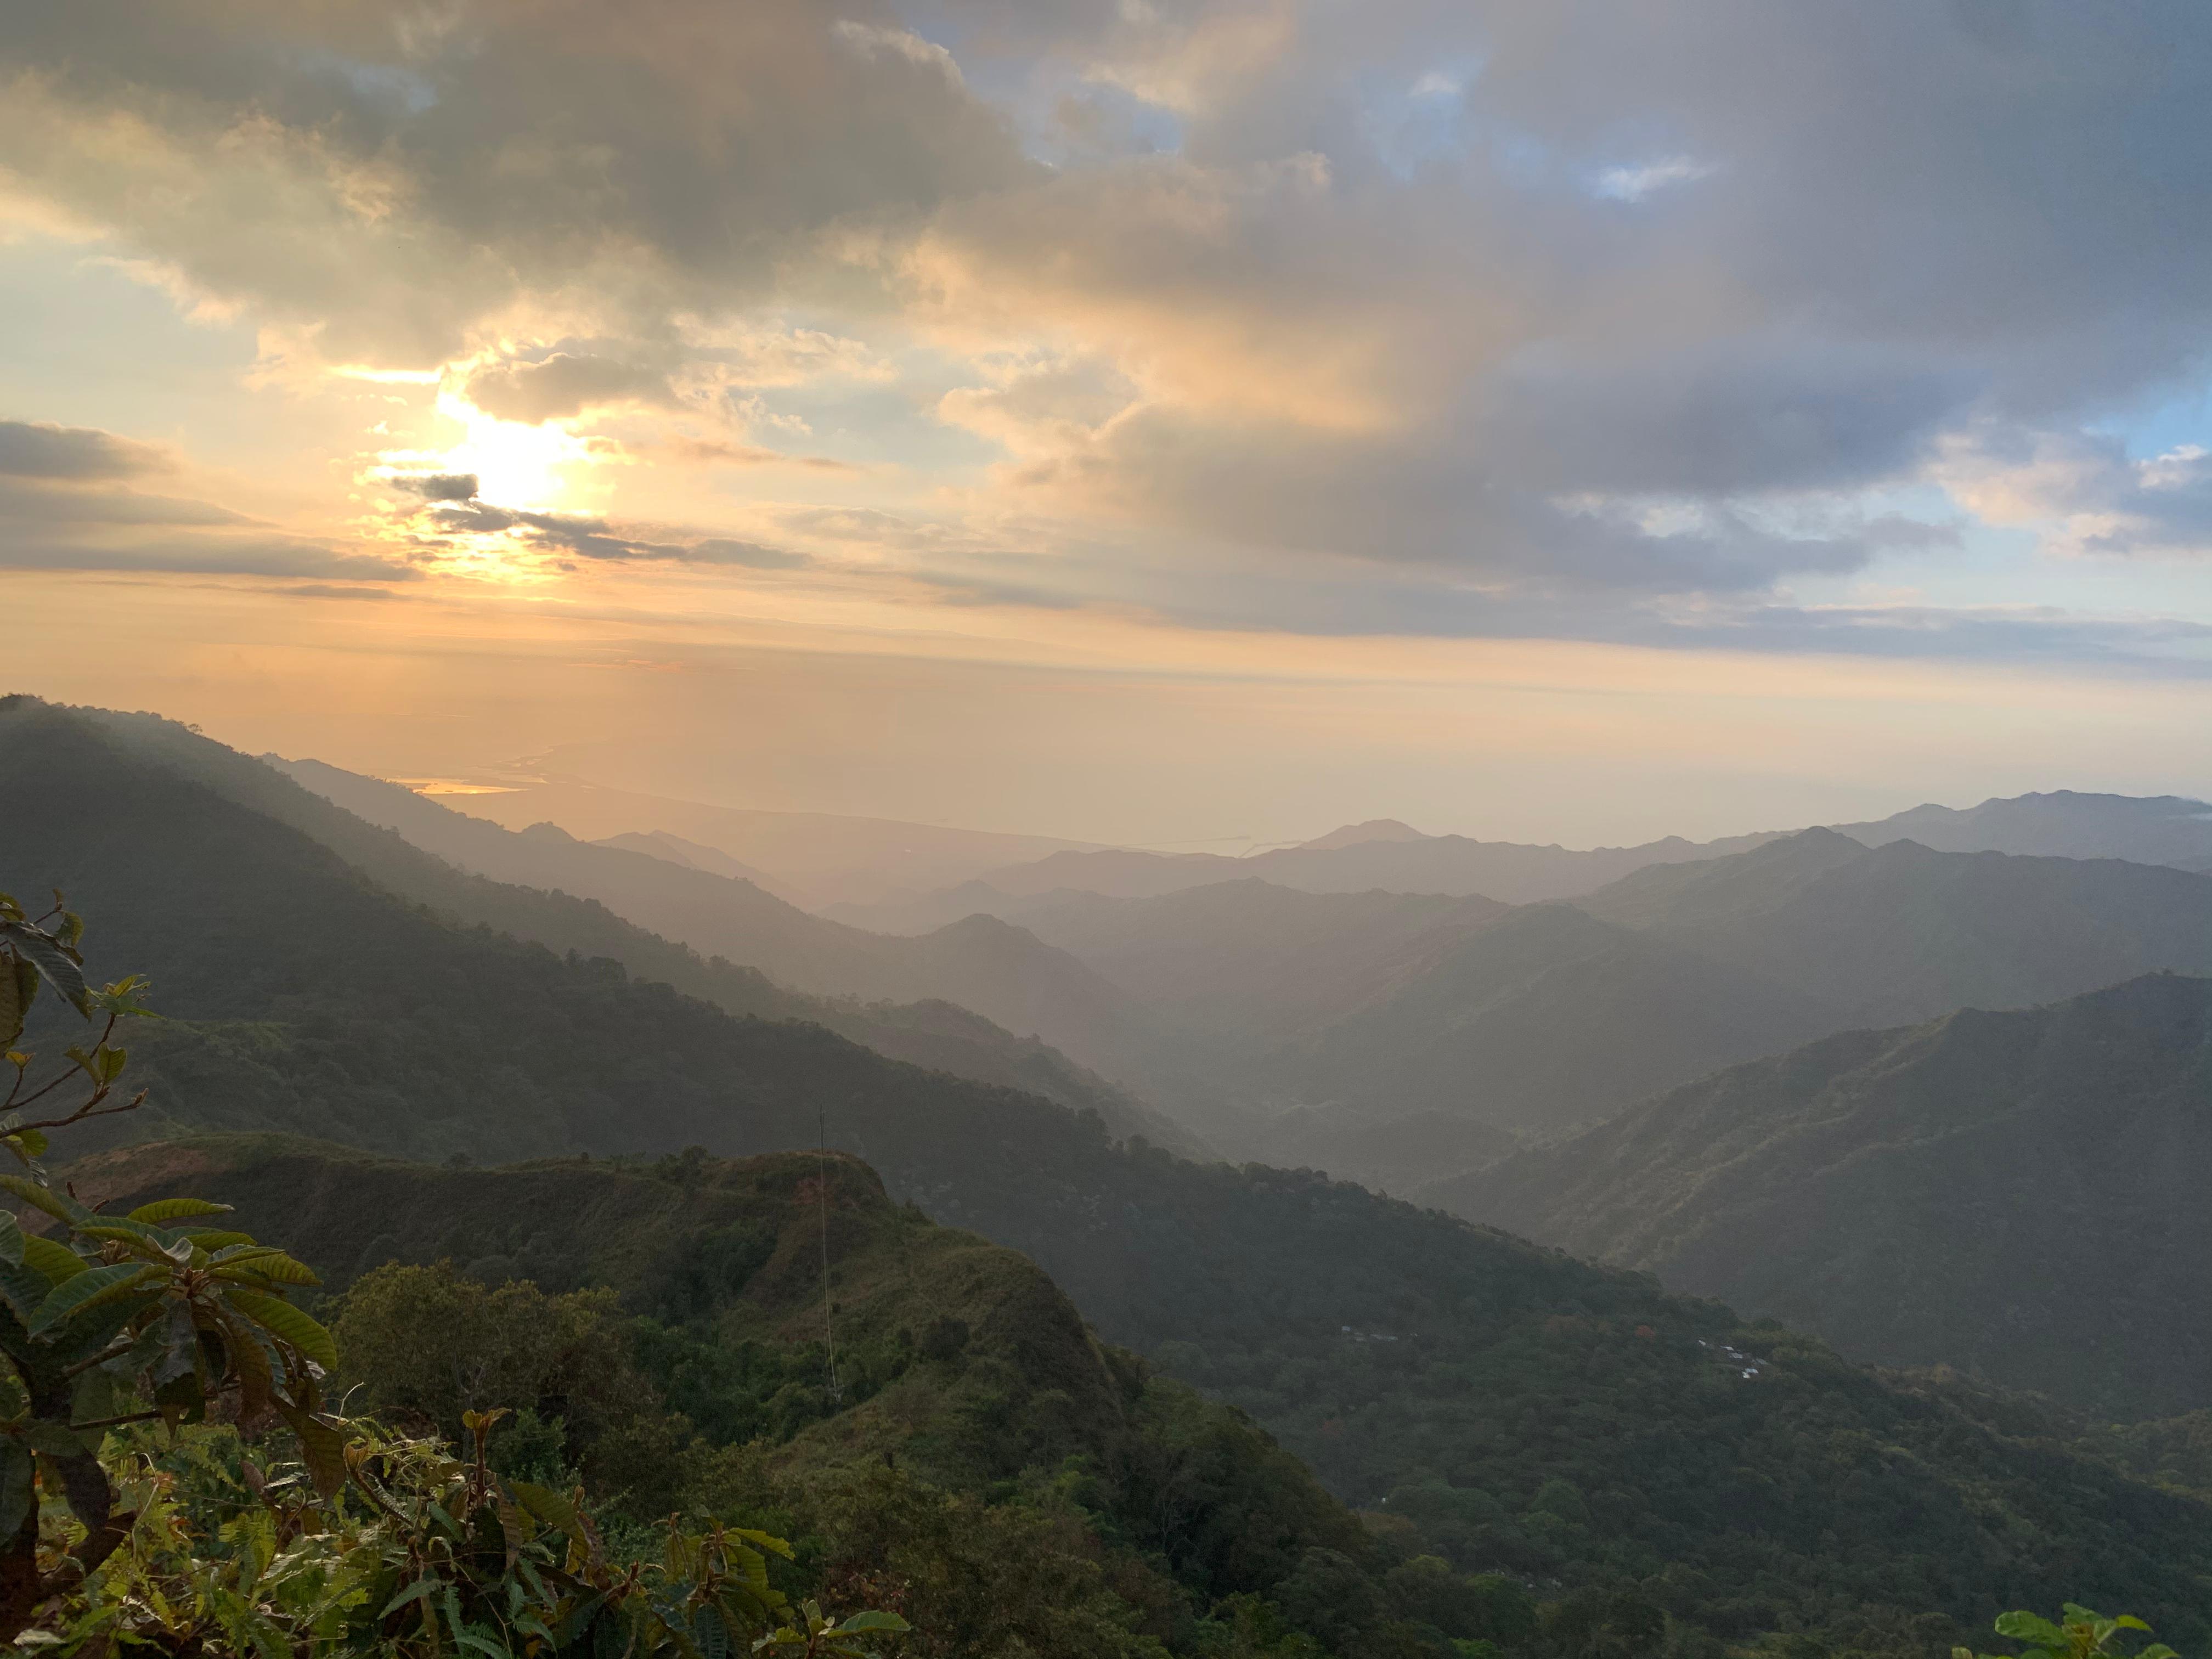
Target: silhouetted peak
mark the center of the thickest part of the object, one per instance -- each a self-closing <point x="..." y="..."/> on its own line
<point x="1374" y="829"/>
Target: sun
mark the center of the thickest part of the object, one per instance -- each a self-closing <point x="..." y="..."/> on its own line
<point x="516" y="465"/>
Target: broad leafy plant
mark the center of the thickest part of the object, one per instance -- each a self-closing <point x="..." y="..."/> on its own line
<point x="110" y="1320"/>
<point x="2079" y="1634"/>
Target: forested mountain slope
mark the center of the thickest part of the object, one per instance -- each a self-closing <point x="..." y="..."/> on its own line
<point x="1897" y="932"/>
<point x="1630" y="1455"/>
<point x="2020" y="1195"/>
<point x="937" y="1431"/>
<point x="1566" y="1423"/>
<point x="1543" y="1018"/>
<point x="1000" y="972"/>
<point x="1557" y="1014"/>
<point x="126" y="753"/>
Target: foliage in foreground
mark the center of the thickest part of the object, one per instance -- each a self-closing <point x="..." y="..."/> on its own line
<point x="372" y="1544"/>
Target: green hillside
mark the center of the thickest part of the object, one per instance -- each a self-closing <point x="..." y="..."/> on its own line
<point x="944" y="1395"/>
<point x="2019" y="1193"/>
<point x="1520" y="1411"/>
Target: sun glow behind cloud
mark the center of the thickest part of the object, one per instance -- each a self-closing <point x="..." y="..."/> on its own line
<point x="530" y="467"/>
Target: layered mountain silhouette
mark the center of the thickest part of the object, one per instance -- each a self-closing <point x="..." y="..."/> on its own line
<point x="1384" y="854"/>
<point x="1357" y="1009"/>
<point x="1523" y="1411"/>
<point x="1000" y="971"/>
<point x="931" y="1032"/>
<point x="2019" y="1193"/>
<point x="2063" y="823"/>
<point x="814" y="857"/>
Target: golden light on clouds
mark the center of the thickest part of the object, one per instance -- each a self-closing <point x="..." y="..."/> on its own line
<point x="1129" y="410"/>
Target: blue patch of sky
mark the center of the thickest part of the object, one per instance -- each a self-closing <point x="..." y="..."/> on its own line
<point x="2176" y="422"/>
<point x="1411" y="123"/>
<point x="1059" y="116"/>
<point x="392" y="84"/>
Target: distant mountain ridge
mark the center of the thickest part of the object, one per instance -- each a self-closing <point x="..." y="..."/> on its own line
<point x="927" y="1032"/>
<point x="817" y="858"/>
<point x="1387" y="855"/>
<point x="1000" y="971"/>
<point x="2018" y="1193"/>
<point x="2063" y="823"/>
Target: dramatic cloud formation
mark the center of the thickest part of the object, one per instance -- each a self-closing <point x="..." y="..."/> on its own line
<point x="1782" y="329"/>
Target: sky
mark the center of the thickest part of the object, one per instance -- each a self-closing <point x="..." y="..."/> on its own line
<point x="1173" y="421"/>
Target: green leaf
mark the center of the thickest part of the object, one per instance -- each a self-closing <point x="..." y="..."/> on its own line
<point x="51" y="959"/>
<point x="57" y="1262"/>
<point x="872" y="1620"/>
<point x="19" y="984"/>
<point x="60" y="1205"/>
<point x="163" y="1211"/>
<point x="426" y="1585"/>
<point x="18" y="1489"/>
<point x="2029" y="1627"/>
<point x="288" y="1325"/>
<point x="275" y="1267"/>
<point x="87" y="1289"/>
<point x="11" y="1241"/>
<point x="27" y="1144"/>
<point x="23" y="1288"/>
<point x="212" y="1242"/>
<point x="549" y="1506"/>
<point x="322" y="1448"/>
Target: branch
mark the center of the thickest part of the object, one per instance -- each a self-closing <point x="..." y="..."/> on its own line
<point x="85" y="1111"/>
<point x="113" y="1422"/>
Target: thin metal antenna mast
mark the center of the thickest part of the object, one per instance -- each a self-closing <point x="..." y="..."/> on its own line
<point x="822" y="1191"/>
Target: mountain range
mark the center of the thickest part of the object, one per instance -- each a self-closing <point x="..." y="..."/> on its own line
<point x="1311" y="1020"/>
<point x="1392" y="857"/>
<point x="2015" y="1193"/>
<point x="815" y="858"/>
<point x="999" y="972"/>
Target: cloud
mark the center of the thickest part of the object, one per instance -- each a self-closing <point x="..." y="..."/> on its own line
<point x="435" y="486"/>
<point x="392" y="183"/>
<point x="66" y="504"/>
<point x="2084" y="492"/>
<point x="555" y="387"/>
<point x="31" y="449"/>
<point x="1647" y="304"/>
<point x="720" y="550"/>
<point x="563" y="535"/>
